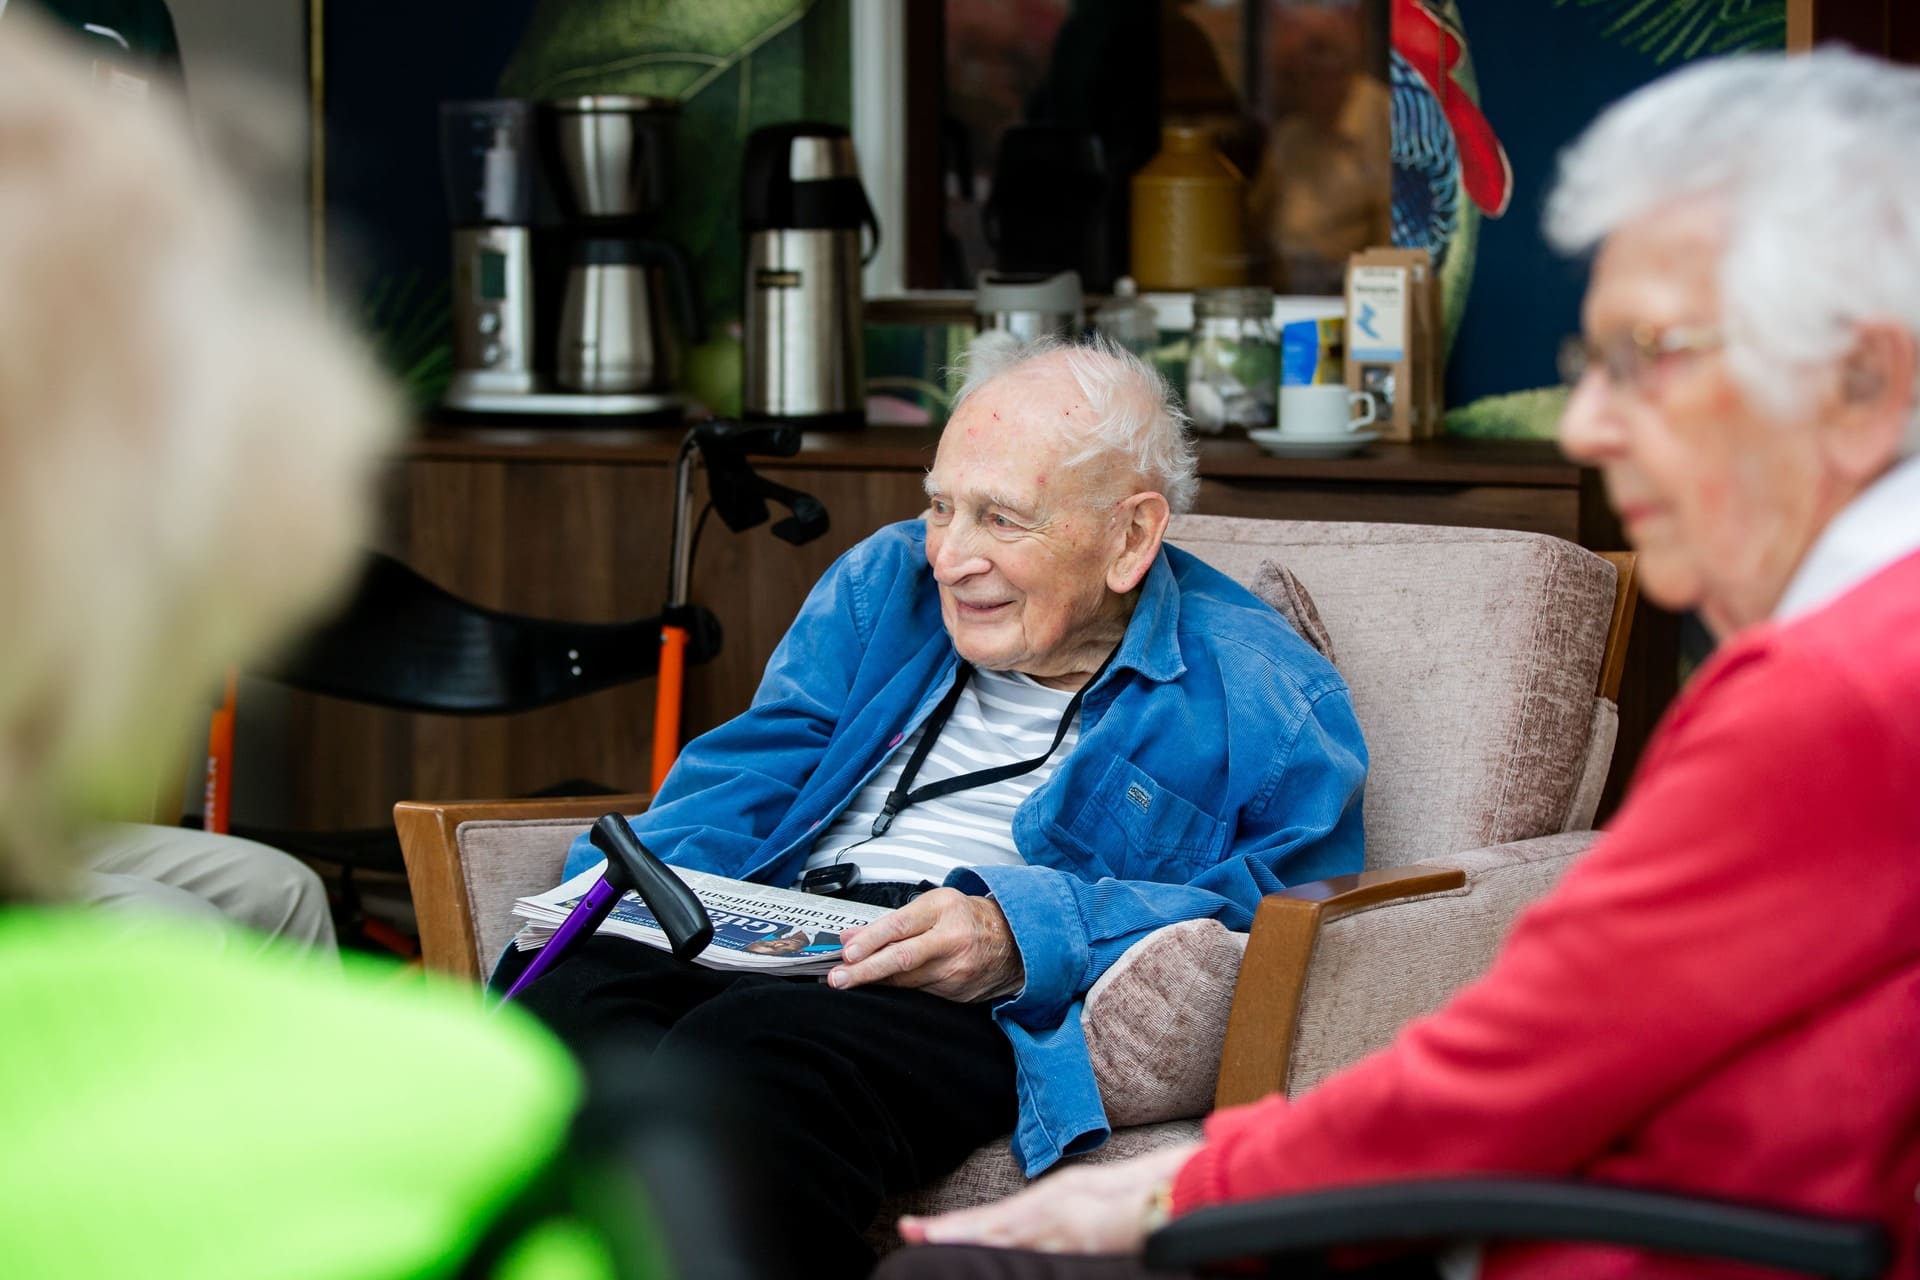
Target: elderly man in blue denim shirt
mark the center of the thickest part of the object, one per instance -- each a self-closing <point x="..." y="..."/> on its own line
<point x="1037" y="731"/>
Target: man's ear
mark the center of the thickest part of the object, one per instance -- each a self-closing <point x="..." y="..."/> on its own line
<point x="1141" y="521"/>
<point x="1876" y="405"/>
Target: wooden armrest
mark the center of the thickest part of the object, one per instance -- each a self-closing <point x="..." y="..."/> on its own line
<point x="434" y="875"/>
<point x="1626" y="594"/>
<point x="1273" y="976"/>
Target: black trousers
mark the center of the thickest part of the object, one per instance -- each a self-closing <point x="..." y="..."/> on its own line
<point x="849" y="1096"/>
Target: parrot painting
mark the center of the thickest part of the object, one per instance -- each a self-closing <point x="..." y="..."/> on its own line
<point x="1442" y="142"/>
<point x="1451" y="170"/>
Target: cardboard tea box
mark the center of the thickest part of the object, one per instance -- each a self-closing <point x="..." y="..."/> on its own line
<point x="1393" y="339"/>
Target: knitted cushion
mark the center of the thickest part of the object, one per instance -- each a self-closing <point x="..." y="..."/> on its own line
<point x="1156" y="1020"/>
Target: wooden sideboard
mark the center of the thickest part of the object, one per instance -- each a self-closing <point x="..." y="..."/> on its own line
<point x="564" y="523"/>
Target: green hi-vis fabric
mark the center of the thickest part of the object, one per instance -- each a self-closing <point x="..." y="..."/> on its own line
<point x="170" y="1110"/>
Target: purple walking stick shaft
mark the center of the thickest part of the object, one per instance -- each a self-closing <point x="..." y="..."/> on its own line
<point x="580" y="922"/>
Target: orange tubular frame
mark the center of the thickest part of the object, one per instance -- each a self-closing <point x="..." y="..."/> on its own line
<point x="666" y="703"/>
<point x="218" y="799"/>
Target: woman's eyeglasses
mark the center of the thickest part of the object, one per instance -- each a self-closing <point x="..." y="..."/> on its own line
<point x="1627" y="357"/>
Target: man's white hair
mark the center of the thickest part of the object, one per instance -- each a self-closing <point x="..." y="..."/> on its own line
<point x="1811" y="158"/>
<point x="1135" y="415"/>
<point x="185" y="446"/>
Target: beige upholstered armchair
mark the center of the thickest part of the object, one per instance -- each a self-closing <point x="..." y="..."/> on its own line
<point x="1483" y="666"/>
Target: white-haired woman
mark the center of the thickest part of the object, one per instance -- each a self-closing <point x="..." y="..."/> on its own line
<point x="185" y="457"/>
<point x="215" y="880"/>
<point x="1010" y="719"/>
<point x="1722" y="997"/>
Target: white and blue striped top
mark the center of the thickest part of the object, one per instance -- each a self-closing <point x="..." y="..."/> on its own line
<point x="1001" y="717"/>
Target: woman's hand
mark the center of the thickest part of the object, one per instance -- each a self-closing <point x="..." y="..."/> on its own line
<point x="1100" y="1209"/>
<point x="944" y="942"/>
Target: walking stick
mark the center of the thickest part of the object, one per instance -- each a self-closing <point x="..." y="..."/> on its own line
<point x="631" y="868"/>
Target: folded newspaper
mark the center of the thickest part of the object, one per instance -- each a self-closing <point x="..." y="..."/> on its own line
<point x="755" y="926"/>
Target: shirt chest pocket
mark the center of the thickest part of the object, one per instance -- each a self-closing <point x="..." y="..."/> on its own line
<point x="1143" y="830"/>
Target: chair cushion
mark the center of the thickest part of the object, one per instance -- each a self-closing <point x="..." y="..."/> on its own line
<point x="507" y="860"/>
<point x="1378" y="969"/>
<point x="1595" y="766"/>
<point x="1473" y="656"/>
<point x="1155" y="1022"/>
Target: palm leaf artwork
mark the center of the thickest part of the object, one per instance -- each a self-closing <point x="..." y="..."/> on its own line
<point x="1687" y="29"/>
<point x="410" y="320"/>
<point x="732" y="65"/>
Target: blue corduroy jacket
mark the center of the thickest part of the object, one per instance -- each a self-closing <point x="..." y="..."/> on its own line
<point x="1218" y="761"/>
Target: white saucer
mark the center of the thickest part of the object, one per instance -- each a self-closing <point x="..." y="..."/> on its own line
<point x="1298" y="444"/>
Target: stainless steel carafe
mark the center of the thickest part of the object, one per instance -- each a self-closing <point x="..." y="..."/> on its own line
<point x="626" y="317"/>
<point x="802" y="209"/>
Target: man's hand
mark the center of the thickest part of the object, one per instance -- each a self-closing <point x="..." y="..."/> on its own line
<point x="945" y="942"/>
<point x="1098" y="1208"/>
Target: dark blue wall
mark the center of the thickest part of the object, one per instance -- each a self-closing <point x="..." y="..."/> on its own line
<point x="388" y="67"/>
<point x="1545" y="72"/>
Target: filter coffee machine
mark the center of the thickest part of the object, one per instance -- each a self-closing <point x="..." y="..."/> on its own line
<point x="562" y="302"/>
<point x="489" y="183"/>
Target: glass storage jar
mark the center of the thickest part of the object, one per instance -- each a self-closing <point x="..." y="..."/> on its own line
<point x="1128" y="320"/>
<point x="1233" y="360"/>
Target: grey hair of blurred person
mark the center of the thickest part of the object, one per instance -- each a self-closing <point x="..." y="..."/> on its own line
<point x="1810" y="158"/>
<point x="1135" y="415"/>
<point x="186" y="448"/>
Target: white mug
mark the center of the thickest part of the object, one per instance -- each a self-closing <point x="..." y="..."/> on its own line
<point x="1324" y="409"/>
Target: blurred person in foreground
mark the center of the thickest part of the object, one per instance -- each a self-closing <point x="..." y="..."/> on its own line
<point x="185" y="457"/>
<point x="127" y="47"/>
<point x="1722" y="996"/>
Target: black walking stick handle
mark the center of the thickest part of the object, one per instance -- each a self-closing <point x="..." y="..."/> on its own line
<point x="632" y="867"/>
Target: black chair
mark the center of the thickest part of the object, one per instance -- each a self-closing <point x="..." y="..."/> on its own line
<point x="1291" y="1235"/>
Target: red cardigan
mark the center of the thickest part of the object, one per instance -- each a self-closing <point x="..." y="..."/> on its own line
<point x="1722" y="997"/>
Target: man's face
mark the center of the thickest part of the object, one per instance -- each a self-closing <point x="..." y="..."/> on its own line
<point x="1022" y="547"/>
<point x="1720" y="498"/>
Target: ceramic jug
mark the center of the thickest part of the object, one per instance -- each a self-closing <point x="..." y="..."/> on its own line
<point x="1188" y="216"/>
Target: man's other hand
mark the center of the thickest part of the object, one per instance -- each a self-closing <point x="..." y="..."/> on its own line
<point x="945" y="942"/>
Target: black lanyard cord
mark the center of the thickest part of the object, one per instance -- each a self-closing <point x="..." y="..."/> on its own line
<point x="905" y="796"/>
